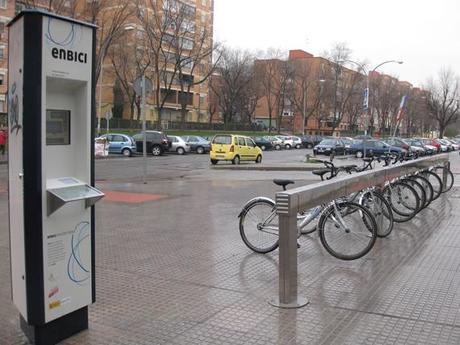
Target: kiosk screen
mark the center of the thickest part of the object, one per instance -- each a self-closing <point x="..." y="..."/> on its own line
<point x="57" y="127"/>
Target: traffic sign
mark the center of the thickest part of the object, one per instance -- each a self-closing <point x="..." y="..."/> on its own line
<point x="137" y="85"/>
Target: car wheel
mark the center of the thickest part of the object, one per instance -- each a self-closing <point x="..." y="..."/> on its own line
<point x="359" y="154"/>
<point x="214" y="161"/>
<point x="156" y="150"/>
<point x="200" y="150"/>
<point x="287" y="147"/>
<point x="277" y="147"/>
<point x="126" y="152"/>
<point x="297" y="146"/>
<point x="236" y="160"/>
<point x="180" y="151"/>
<point x="263" y="148"/>
<point x="259" y="159"/>
<point x="309" y="146"/>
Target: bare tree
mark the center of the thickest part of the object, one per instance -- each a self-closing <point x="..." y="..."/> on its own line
<point x="305" y="98"/>
<point x="233" y="86"/>
<point x="274" y="76"/>
<point x="129" y="60"/>
<point x="443" y="99"/>
<point x="347" y="82"/>
<point x="111" y="16"/>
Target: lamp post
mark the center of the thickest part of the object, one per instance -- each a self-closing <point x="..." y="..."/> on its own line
<point x="366" y="102"/>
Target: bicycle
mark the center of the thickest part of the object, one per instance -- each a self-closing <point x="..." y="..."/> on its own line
<point x="371" y="197"/>
<point x="347" y="230"/>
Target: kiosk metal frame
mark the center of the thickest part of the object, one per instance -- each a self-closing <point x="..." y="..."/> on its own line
<point x="30" y="189"/>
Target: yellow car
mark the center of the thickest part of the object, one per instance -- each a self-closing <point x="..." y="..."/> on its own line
<point x="235" y="148"/>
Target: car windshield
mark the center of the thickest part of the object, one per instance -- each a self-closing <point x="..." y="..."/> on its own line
<point x="222" y="139"/>
<point x="327" y="142"/>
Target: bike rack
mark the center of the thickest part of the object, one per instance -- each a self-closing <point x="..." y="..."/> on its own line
<point x="293" y="201"/>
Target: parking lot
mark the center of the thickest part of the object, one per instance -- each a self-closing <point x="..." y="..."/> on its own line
<point x="172" y="269"/>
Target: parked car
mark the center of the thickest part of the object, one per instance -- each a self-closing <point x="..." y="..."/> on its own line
<point x="328" y="146"/>
<point x="288" y="142"/>
<point x="347" y="142"/>
<point x="157" y="142"/>
<point x="178" y="145"/>
<point x="443" y="146"/>
<point x="398" y="142"/>
<point x="234" y="148"/>
<point x="310" y="141"/>
<point x="417" y="146"/>
<point x="373" y="147"/>
<point x="198" y="144"/>
<point x="433" y="143"/>
<point x="120" y="143"/>
<point x="447" y="143"/>
<point x="454" y="143"/>
<point x="263" y="143"/>
<point x="276" y="142"/>
<point x="297" y="142"/>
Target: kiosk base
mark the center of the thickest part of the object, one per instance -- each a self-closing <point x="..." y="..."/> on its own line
<point x="57" y="330"/>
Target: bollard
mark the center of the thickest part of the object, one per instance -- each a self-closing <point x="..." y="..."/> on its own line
<point x="287" y="297"/>
<point x="444" y="173"/>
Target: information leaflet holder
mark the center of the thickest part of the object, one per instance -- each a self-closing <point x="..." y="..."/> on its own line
<point x="51" y="173"/>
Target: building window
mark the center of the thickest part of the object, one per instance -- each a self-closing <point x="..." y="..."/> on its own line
<point x="2" y="3"/>
<point x="2" y="78"/>
<point x="19" y="7"/>
<point x="2" y="106"/>
<point x="2" y="52"/>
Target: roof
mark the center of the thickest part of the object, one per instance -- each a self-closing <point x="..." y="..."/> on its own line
<point x="49" y="14"/>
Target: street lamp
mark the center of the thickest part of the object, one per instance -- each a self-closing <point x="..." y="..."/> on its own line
<point x="367" y="91"/>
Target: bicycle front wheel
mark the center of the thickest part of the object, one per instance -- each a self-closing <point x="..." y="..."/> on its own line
<point x="435" y="181"/>
<point x="403" y="199"/>
<point x="381" y="210"/>
<point x="347" y="230"/>
<point x="259" y="228"/>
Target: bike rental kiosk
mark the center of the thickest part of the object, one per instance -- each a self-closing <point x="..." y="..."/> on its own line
<point x="51" y="173"/>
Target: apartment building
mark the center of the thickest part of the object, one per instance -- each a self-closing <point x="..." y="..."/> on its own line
<point x="299" y="94"/>
<point x="176" y="70"/>
<point x="172" y="86"/>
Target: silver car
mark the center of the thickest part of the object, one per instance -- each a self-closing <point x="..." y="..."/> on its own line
<point x="178" y="145"/>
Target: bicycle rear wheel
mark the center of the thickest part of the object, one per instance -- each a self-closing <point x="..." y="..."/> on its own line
<point x="259" y="226"/>
<point x="347" y="230"/>
<point x="381" y="210"/>
<point x="403" y="199"/>
<point x="426" y="186"/>
<point x="435" y="182"/>
<point x="440" y="170"/>
<point x="419" y="190"/>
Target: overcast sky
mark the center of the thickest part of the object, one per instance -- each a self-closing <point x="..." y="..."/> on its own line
<point x="425" y="34"/>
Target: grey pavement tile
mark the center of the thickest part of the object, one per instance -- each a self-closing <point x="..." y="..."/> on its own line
<point x="165" y="279"/>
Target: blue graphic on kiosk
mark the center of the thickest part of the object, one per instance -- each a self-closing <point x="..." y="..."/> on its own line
<point x="77" y="271"/>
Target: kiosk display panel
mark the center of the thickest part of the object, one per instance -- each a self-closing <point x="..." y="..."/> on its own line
<point x="57" y="127"/>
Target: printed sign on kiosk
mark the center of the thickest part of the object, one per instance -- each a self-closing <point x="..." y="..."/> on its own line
<point x="51" y="173"/>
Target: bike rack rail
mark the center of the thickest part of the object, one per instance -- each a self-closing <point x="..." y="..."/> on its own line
<point x="293" y="201"/>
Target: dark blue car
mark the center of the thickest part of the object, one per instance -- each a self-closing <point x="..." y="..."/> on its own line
<point x="372" y="147"/>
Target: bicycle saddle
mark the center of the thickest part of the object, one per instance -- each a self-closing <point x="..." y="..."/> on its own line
<point x="321" y="172"/>
<point x="282" y="183"/>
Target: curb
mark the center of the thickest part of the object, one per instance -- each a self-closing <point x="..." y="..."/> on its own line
<point x="267" y="168"/>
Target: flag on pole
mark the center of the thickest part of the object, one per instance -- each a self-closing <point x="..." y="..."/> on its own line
<point x="366" y="99"/>
<point x="401" y="108"/>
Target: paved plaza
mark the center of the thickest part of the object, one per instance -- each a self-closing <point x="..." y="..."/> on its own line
<point x="172" y="268"/>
